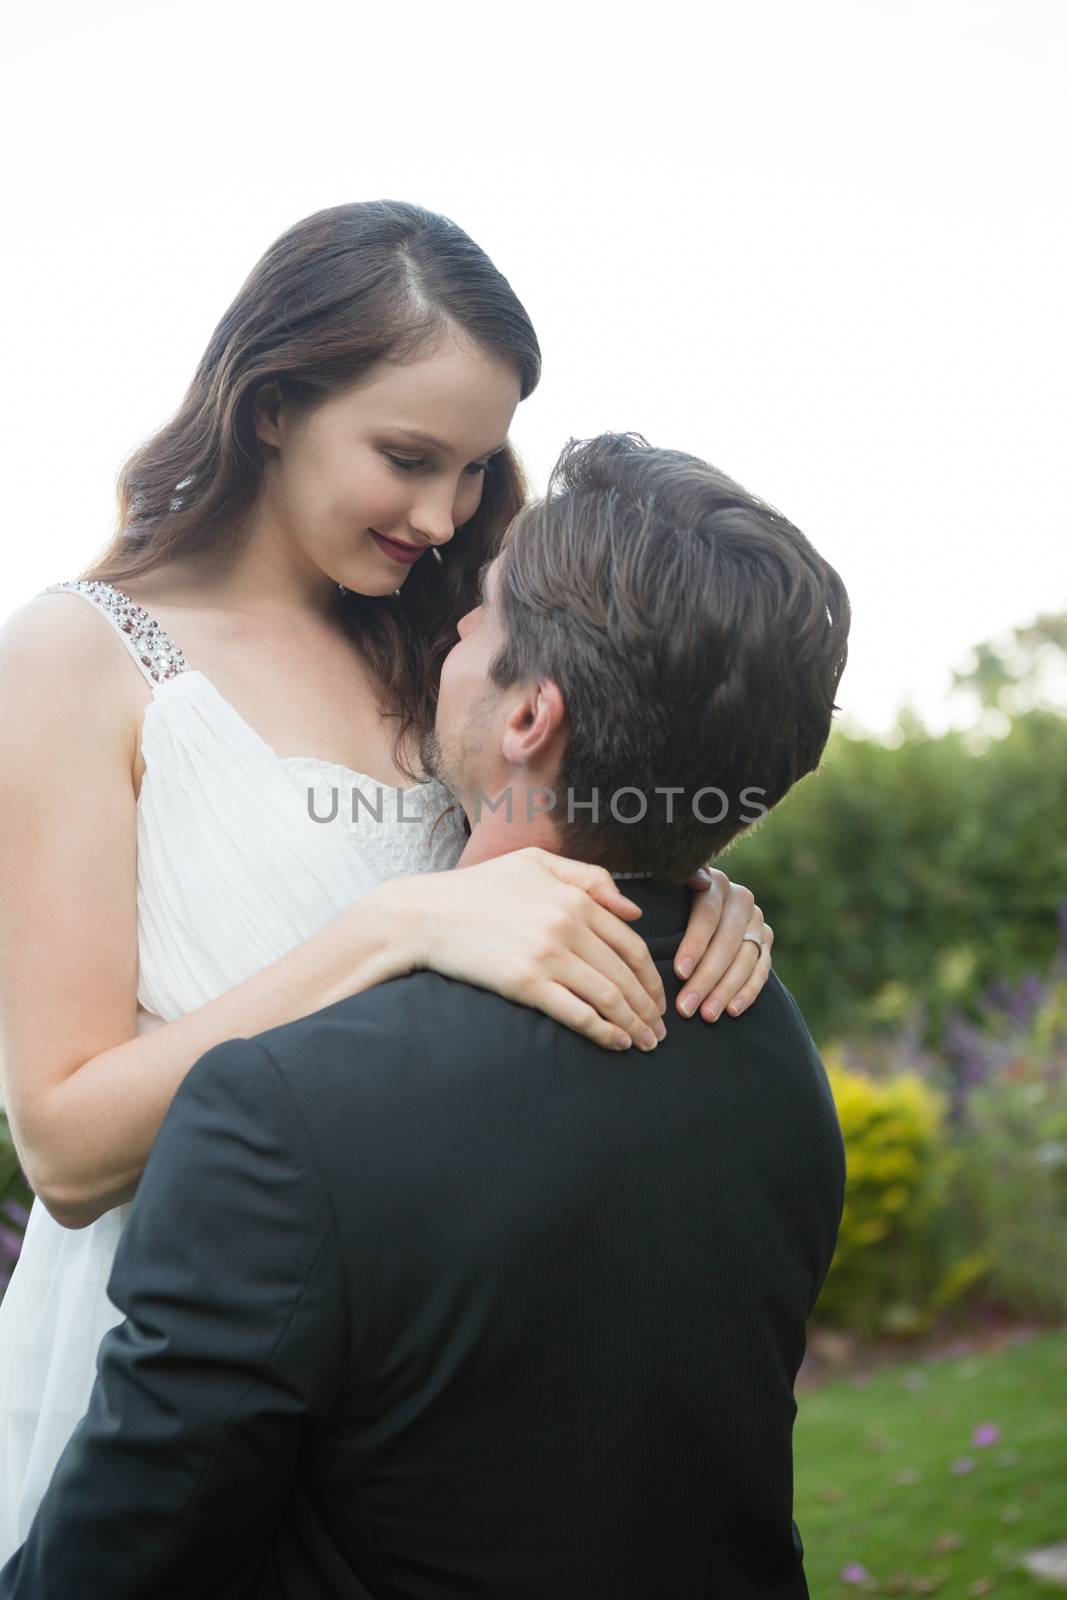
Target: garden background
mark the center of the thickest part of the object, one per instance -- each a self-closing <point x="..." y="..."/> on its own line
<point x="917" y="886"/>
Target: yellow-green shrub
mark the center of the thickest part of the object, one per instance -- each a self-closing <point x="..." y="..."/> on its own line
<point x="889" y="1271"/>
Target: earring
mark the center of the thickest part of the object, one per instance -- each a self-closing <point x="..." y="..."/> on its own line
<point x="436" y="554"/>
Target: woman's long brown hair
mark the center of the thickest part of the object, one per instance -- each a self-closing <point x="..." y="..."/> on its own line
<point x="340" y="292"/>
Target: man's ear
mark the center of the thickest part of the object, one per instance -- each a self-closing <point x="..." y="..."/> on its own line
<point x="268" y="413"/>
<point x="535" y="724"/>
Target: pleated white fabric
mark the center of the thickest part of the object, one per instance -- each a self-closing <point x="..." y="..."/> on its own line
<point x="236" y="865"/>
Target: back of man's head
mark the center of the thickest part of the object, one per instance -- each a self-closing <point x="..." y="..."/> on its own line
<point x="697" y="638"/>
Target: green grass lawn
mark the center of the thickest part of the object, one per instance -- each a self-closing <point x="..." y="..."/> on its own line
<point x="893" y="1477"/>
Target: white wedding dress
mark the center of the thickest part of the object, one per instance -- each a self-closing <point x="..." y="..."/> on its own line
<point x="233" y="871"/>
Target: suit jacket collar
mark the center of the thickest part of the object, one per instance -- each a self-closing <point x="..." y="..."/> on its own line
<point x="665" y="909"/>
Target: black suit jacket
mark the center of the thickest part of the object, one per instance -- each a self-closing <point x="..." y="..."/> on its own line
<point x="427" y="1296"/>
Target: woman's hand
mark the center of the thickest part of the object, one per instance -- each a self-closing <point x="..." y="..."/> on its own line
<point x="730" y="970"/>
<point x="545" y="931"/>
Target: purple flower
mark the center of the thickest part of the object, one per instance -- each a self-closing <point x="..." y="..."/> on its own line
<point x="17" y="1214"/>
<point x="998" y="996"/>
<point x="984" y="1435"/>
<point x="1029" y="997"/>
<point x="971" y="1051"/>
<point x="854" y="1573"/>
<point x="962" y="1465"/>
<point x="10" y="1244"/>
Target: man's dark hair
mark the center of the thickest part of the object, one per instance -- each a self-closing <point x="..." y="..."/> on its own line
<point x="697" y="638"/>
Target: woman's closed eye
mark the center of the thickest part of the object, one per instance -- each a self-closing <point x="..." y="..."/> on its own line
<point x="404" y="464"/>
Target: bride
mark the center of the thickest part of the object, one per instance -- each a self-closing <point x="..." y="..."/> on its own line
<point x="295" y="548"/>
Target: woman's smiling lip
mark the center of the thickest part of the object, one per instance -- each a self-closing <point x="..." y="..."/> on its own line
<point x="407" y="553"/>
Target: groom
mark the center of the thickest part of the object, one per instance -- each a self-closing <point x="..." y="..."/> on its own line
<point x="427" y="1295"/>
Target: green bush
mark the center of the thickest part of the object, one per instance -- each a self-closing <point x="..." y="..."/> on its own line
<point x="957" y="1167"/>
<point x="1010" y="1189"/>
<point x="892" y="1270"/>
<point x="912" y="878"/>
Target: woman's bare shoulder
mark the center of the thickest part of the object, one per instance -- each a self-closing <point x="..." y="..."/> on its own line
<point x="61" y="622"/>
<point x="62" y="659"/>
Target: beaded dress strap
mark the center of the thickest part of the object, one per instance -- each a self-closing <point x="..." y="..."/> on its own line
<point x="158" y="657"/>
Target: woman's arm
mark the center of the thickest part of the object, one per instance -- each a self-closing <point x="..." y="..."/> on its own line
<point x="84" y="1094"/>
<point x="85" y="1132"/>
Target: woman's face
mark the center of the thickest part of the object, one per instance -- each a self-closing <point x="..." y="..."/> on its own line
<point x="342" y="480"/>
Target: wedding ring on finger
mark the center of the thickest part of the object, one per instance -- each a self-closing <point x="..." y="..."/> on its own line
<point x="757" y="938"/>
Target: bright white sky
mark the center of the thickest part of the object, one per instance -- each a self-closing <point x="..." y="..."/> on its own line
<point x="822" y="245"/>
